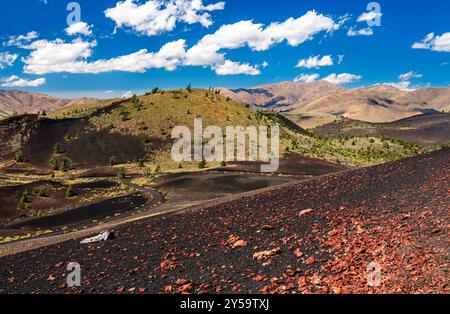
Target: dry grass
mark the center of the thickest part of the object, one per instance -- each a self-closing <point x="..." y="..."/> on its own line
<point x="157" y="114"/>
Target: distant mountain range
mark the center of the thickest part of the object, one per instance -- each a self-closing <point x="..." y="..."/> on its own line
<point x="322" y="101"/>
<point x="307" y="104"/>
<point x="15" y="101"/>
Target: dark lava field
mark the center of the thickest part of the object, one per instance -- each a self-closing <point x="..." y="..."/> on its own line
<point x="318" y="236"/>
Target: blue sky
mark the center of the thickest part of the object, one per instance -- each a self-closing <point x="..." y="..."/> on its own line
<point x="116" y="46"/>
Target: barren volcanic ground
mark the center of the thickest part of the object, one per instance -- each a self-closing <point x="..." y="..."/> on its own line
<point x="292" y="164"/>
<point x="314" y="237"/>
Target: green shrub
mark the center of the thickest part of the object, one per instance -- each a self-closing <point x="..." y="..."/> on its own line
<point x="18" y="157"/>
<point x="54" y="163"/>
<point x="39" y="192"/>
<point x="64" y="165"/>
<point x="56" y="148"/>
<point x="125" y="115"/>
<point x="70" y="191"/>
<point x="202" y="164"/>
<point x="24" y="198"/>
<point x="121" y="173"/>
<point x="137" y="104"/>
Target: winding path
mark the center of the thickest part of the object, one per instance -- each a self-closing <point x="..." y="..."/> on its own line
<point x="87" y="225"/>
<point x="11" y="248"/>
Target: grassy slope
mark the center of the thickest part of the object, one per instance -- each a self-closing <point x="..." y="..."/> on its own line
<point x="158" y="113"/>
<point x="80" y="110"/>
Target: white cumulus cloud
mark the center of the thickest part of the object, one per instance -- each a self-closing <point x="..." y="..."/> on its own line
<point x="257" y="37"/>
<point x="21" y="41"/>
<point x="15" y="81"/>
<point x="342" y="78"/>
<point x="435" y="43"/>
<point x="360" y="32"/>
<point x="208" y="51"/>
<point x="306" y="78"/>
<point x="315" y="62"/>
<point x="7" y="59"/>
<point x="369" y="16"/>
<point x="234" y="68"/>
<point x="128" y="94"/>
<point x="365" y="17"/>
<point x="405" y="81"/>
<point x="409" y="75"/>
<point x="59" y="56"/>
<point x="403" y="85"/>
<point x="155" y="17"/>
<point x="80" y="28"/>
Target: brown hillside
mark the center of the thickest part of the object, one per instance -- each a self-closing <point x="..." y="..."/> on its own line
<point x="12" y="101"/>
<point x="320" y="102"/>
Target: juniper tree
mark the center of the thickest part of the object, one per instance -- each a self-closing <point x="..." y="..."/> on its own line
<point x="64" y="165"/>
<point x="54" y="163"/>
<point x="18" y="157"/>
<point x="24" y="198"/>
<point x="121" y="173"/>
<point x="70" y="191"/>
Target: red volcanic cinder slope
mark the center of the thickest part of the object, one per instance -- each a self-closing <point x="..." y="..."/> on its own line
<point x="314" y="237"/>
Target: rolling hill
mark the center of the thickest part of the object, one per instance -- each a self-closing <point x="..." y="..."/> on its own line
<point x="16" y="101"/>
<point x="124" y="131"/>
<point x="312" y="104"/>
<point x="282" y="96"/>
